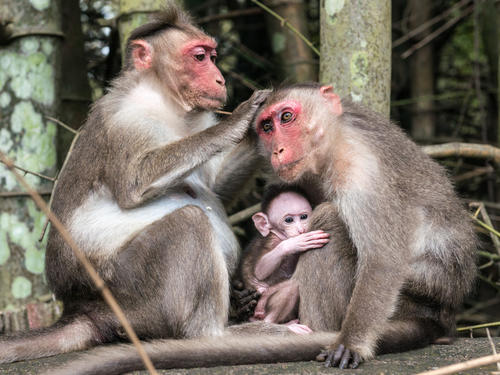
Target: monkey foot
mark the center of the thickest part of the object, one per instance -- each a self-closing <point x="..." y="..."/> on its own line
<point x="340" y="357"/>
<point x="298" y="328"/>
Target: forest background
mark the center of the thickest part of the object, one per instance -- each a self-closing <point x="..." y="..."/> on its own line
<point x="431" y="65"/>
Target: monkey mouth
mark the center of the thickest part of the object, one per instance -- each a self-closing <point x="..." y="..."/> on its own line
<point x="290" y="170"/>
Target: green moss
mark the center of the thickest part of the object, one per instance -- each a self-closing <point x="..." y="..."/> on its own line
<point x="21" y="287"/>
<point x="40" y="4"/>
<point x="4" y="247"/>
<point x="31" y="73"/>
<point x="278" y="42"/>
<point x="4" y="99"/>
<point x="359" y="69"/>
<point x="332" y="8"/>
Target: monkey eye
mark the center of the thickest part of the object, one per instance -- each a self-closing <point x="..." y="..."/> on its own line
<point x="289" y="220"/>
<point x="266" y="126"/>
<point x="286" y="117"/>
<point x="199" y="56"/>
<point x="303" y="217"/>
<point x="213" y="58"/>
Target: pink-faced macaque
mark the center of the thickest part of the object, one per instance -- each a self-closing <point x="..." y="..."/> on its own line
<point x="270" y="259"/>
<point x="402" y="259"/>
<point x="142" y="194"/>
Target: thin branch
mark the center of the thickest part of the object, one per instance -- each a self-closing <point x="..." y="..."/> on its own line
<point x="486" y="226"/>
<point x="16" y="194"/>
<point x="429" y="38"/>
<point x="223" y="112"/>
<point x="469" y="150"/>
<point x="478" y="326"/>
<point x="487" y="220"/>
<point x="429" y="23"/>
<point x="474" y="173"/>
<point x="492" y="344"/>
<point x="244" y="214"/>
<point x="33" y="173"/>
<point x="59" y="122"/>
<point x="467" y="365"/>
<point x="245" y="81"/>
<point x="98" y="281"/>
<point x="284" y="22"/>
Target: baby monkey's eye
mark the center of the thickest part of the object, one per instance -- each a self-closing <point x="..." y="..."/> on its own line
<point x="266" y="126"/>
<point x="289" y="220"/>
<point x="303" y="217"/>
<point x="286" y="116"/>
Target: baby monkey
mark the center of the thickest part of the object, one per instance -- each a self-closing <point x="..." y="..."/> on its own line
<point x="270" y="259"/>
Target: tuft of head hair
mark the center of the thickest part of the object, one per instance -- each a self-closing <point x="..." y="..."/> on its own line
<point x="274" y="190"/>
<point x="171" y="16"/>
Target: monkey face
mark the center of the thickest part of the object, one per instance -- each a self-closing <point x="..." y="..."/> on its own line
<point x="203" y="85"/>
<point x="289" y="214"/>
<point x="280" y="130"/>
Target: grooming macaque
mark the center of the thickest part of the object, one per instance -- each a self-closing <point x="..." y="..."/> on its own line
<point x="398" y="284"/>
<point x="270" y="259"/>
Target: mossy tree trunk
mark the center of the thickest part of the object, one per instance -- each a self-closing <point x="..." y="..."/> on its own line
<point x="356" y="50"/>
<point x="29" y="66"/>
<point x="295" y="57"/>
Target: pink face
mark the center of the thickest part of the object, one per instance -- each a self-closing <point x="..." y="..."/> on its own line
<point x="281" y="132"/>
<point x="203" y="80"/>
<point x="289" y="214"/>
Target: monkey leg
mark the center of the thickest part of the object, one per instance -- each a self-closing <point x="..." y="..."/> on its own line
<point x="172" y="279"/>
<point x="281" y="305"/>
<point x="326" y="276"/>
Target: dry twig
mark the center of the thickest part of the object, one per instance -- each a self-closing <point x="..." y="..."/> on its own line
<point x="467" y="365"/>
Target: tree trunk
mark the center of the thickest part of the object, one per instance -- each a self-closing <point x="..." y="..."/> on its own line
<point x="422" y="75"/>
<point x="134" y="13"/>
<point x="356" y="50"/>
<point x="29" y="66"/>
<point x="75" y="93"/>
<point x="295" y="57"/>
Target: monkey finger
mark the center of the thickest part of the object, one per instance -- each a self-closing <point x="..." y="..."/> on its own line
<point x="260" y="96"/>
<point x="337" y="355"/>
<point x="238" y="285"/>
<point x="356" y="361"/>
<point x="248" y="299"/>
<point x="344" y="363"/>
<point x="321" y="357"/>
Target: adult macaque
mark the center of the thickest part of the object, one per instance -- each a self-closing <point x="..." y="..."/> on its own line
<point x="270" y="259"/>
<point x="412" y="259"/>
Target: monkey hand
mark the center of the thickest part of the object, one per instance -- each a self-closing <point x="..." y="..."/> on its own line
<point x="243" y="302"/>
<point x="247" y="110"/>
<point x="340" y="357"/>
<point x="306" y="241"/>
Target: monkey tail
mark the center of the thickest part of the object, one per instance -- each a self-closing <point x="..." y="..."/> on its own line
<point x="205" y="352"/>
<point x="67" y="334"/>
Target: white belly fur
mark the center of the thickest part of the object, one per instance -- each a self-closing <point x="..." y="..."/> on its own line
<point x="101" y="227"/>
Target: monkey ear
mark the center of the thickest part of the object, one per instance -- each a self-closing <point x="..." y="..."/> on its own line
<point x="334" y="99"/>
<point x="262" y="223"/>
<point x="142" y="54"/>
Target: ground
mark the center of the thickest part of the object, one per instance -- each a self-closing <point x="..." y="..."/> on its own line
<point x="411" y="362"/>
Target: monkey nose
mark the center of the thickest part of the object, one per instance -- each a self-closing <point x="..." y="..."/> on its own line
<point x="279" y="151"/>
<point x="221" y="81"/>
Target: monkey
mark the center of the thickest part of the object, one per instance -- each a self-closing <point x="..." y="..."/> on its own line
<point x="142" y="194"/>
<point x="270" y="259"/>
<point x="404" y="251"/>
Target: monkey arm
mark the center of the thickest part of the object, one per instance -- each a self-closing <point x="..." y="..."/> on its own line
<point x="381" y="238"/>
<point x="237" y="168"/>
<point x="150" y="172"/>
<point x="271" y="261"/>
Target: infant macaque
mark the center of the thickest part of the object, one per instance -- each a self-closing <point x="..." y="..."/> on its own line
<point x="272" y="256"/>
